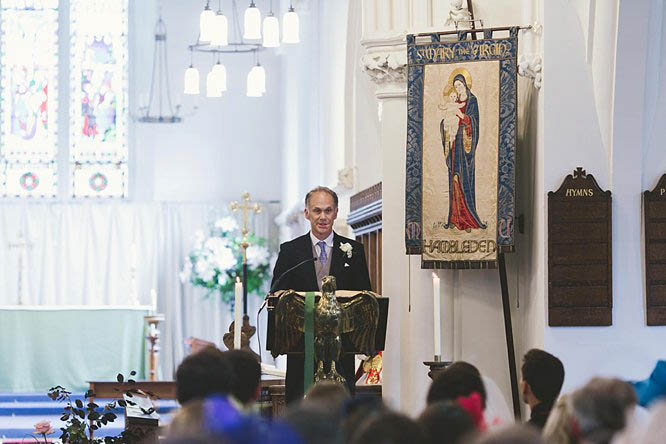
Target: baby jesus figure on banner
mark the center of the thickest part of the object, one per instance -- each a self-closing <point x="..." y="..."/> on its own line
<point x="449" y="125"/>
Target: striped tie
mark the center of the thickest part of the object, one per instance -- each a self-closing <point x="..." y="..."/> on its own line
<point x="323" y="257"/>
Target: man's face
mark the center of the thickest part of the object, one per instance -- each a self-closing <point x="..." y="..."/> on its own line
<point x="321" y="212"/>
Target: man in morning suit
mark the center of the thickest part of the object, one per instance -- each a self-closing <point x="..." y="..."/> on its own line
<point x="350" y="272"/>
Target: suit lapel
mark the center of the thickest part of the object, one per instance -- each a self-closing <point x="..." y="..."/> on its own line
<point x="306" y="251"/>
<point x="335" y="259"/>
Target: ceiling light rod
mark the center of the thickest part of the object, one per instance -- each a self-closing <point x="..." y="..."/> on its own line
<point x="161" y="77"/>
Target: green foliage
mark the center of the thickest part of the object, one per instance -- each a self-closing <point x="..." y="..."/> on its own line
<point x="217" y="260"/>
<point x="82" y="419"/>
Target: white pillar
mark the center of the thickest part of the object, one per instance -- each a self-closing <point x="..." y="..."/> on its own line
<point x="409" y="336"/>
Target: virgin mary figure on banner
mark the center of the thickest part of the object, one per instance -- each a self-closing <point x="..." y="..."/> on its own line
<point x="460" y="136"/>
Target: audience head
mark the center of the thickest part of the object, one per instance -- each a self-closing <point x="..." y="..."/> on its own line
<point x="516" y="434"/>
<point x="561" y="428"/>
<point x="458" y="379"/>
<point x="543" y="375"/>
<point x="204" y="373"/>
<point x="313" y="424"/>
<point x="600" y="408"/>
<point x="389" y="428"/>
<point x="329" y="395"/>
<point x="446" y="422"/>
<point x="247" y="376"/>
<point x="358" y="410"/>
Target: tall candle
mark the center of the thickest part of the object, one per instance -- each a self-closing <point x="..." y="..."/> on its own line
<point x="437" y="326"/>
<point x="153" y="300"/>
<point x="238" y="314"/>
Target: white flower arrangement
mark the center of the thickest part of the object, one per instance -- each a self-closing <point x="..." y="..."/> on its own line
<point x="347" y="249"/>
<point x="216" y="260"/>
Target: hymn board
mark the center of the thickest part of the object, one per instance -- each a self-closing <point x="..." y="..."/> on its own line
<point x="579" y="253"/>
<point x="655" y="252"/>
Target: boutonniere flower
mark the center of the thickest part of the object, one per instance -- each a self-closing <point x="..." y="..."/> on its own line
<point x="346" y="248"/>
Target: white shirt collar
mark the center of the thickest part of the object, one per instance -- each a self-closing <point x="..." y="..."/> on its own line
<point x="328" y="240"/>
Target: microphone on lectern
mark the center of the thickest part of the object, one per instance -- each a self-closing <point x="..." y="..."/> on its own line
<point x="277" y="281"/>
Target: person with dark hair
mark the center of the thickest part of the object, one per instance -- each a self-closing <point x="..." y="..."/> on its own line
<point x="247" y="377"/>
<point x="460" y="379"/>
<point x="542" y="378"/>
<point x="389" y="428"/>
<point x="304" y="261"/>
<point x="202" y="374"/>
<point x="446" y="422"/>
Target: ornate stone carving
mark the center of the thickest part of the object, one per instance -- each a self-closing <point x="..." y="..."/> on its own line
<point x="530" y="65"/>
<point x="459" y="16"/>
<point x="386" y="66"/>
<point x="346" y="178"/>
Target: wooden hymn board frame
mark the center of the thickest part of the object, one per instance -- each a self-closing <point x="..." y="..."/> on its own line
<point x="654" y="207"/>
<point x="579" y="253"/>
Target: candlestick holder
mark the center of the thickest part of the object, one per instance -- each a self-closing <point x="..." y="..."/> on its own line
<point x="247" y="331"/>
<point x="153" y="339"/>
<point x="436" y="366"/>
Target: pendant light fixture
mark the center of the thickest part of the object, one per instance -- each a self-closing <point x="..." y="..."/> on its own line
<point x="220" y="36"/>
<point x="159" y="108"/>
<point x="252" y="22"/>
<point x="221" y="75"/>
<point x="212" y="85"/>
<point x="290" y="26"/>
<point x="206" y="24"/>
<point x="271" y="29"/>
<point x="191" y="78"/>
<point x="226" y="36"/>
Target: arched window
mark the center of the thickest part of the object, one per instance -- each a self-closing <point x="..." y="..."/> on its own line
<point x="92" y="142"/>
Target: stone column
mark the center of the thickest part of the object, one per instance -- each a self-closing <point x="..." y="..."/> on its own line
<point x="409" y="336"/>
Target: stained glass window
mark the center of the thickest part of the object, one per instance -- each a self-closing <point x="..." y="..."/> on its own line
<point x="98" y="98"/>
<point x="29" y="97"/>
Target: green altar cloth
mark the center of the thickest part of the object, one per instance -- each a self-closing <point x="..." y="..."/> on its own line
<point x="41" y="347"/>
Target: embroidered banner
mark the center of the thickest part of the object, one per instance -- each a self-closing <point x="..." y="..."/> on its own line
<point x="461" y="143"/>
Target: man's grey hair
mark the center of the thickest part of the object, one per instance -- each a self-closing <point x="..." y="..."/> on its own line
<point x="319" y="189"/>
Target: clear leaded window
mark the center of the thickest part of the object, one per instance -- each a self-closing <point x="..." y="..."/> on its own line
<point x="96" y="137"/>
<point x="29" y="97"/>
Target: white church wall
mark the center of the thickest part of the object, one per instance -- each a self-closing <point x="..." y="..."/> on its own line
<point x="313" y="111"/>
<point x="212" y="153"/>
<point x="628" y="349"/>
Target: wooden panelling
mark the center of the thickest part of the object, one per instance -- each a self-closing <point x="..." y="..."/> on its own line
<point x="579" y="253"/>
<point x="654" y="206"/>
<point x="365" y="219"/>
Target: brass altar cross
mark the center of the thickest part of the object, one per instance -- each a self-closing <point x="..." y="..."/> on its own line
<point x="21" y="244"/>
<point x="245" y="208"/>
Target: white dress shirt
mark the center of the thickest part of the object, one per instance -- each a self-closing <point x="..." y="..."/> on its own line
<point x="329" y="244"/>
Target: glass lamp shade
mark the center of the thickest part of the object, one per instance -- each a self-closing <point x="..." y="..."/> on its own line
<point x="252" y="23"/>
<point x="261" y="78"/>
<point x="212" y="85"/>
<point x="191" y="80"/>
<point x="253" y="86"/>
<point x="220" y="75"/>
<point x="220" y="36"/>
<point x="206" y="25"/>
<point x="290" y="27"/>
<point x="271" y="32"/>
